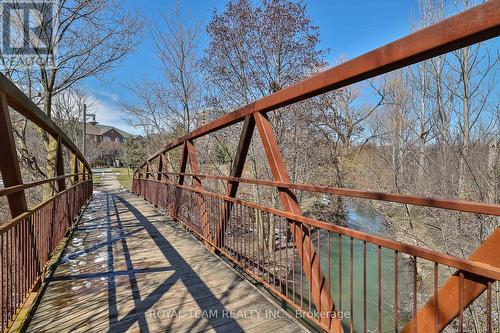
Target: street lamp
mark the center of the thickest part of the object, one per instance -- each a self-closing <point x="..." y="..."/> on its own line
<point x="85" y="115"/>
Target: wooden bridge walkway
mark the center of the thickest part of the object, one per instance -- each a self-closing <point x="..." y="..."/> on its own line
<point x="129" y="268"/>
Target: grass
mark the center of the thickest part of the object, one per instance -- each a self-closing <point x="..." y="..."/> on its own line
<point x="124" y="177"/>
<point x="96" y="179"/>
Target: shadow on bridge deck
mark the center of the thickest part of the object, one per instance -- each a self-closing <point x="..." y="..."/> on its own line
<point x="129" y="268"/>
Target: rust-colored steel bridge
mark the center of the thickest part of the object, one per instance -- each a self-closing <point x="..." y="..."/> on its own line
<point x="305" y="268"/>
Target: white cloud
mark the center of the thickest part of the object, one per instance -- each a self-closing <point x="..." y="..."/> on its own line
<point x="108" y="112"/>
<point x="105" y="94"/>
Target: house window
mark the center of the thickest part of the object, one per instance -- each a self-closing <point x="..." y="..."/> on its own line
<point x="106" y="139"/>
<point x="117" y="140"/>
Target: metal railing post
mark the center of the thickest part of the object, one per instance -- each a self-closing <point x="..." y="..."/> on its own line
<point x="182" y="169"/>
<point x="195" y="168"/>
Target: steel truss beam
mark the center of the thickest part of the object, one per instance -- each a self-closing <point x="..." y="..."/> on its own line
<point x="236" y="171"/>
<point x="9" y="165"/>
<point x="195" y="167"/>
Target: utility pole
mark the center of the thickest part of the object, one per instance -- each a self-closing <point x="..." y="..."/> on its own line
<point x="84" y="128"/>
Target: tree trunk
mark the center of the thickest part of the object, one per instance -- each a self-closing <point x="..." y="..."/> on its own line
<point x="462" y="180"/>
<point x="492" y="170"/>
<point x="51" y="144"/>
<point x="48" y="189"/>
<point x="258" y="214"/>
<point x="421" y="150"/>
<point x="340" y="213"/>
<point x="270" y="229"/>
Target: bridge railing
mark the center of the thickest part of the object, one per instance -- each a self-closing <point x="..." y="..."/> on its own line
<point x="321" y="269"/>
<point x="30" y="235"/>
<point x="361" y="271"/>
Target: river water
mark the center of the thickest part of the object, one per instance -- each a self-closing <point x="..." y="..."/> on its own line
<point x="369" y="221"/>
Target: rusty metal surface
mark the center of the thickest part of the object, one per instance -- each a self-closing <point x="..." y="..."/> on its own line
<point x="307" y="254"/>
<point x="165" y="164"/>
<point x="473" y="267"/>
<point x="17" y="188"/>
<point x="61" y="182"/>
<point x="27" y="243"/>
<point x="240" y="247"/>
<point x="12" y="222"/>
<point x="446" y="304"/>
<point x="160" y="173"/>
<point x="200" y="201"/>
<point x="76" y="163"/>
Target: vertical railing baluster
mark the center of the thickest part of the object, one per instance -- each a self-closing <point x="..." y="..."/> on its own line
<point x="461" y="302"/>
<point x="414" y="294"/>
<point x="396" y="272"/>
<point x="379" y="287"/>
<point x="364" y="287"/>
<point x="318" y="236"/>
<point x="488" y="308"/>
<point x="351" y="321"/>
<point x="340" y="271"/>
<point x="2" y="282"/>
<point x="280" y="254"/>
<point x="436" y="297"/>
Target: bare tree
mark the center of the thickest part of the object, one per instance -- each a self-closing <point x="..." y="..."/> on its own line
<point x="68" y="111"/>
<point x="255" y="50"/>
<point x="172" y="104"/>
<point x="471" y="86"/>
<point x="88" y="39"/>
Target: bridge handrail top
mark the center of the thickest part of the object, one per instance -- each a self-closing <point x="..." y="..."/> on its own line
<point x="17" y="188"/>
<point x="4" y="227"/>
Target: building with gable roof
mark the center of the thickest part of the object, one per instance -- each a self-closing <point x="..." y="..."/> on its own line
<point x="108" y="142"/>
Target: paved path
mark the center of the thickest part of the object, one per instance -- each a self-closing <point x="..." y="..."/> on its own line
<point x="130" y="268"/>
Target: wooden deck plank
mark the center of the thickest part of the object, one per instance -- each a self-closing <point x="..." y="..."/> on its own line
<point x="129" y="268"/>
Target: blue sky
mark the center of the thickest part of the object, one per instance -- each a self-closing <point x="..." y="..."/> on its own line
<point x="349" y="28"/>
